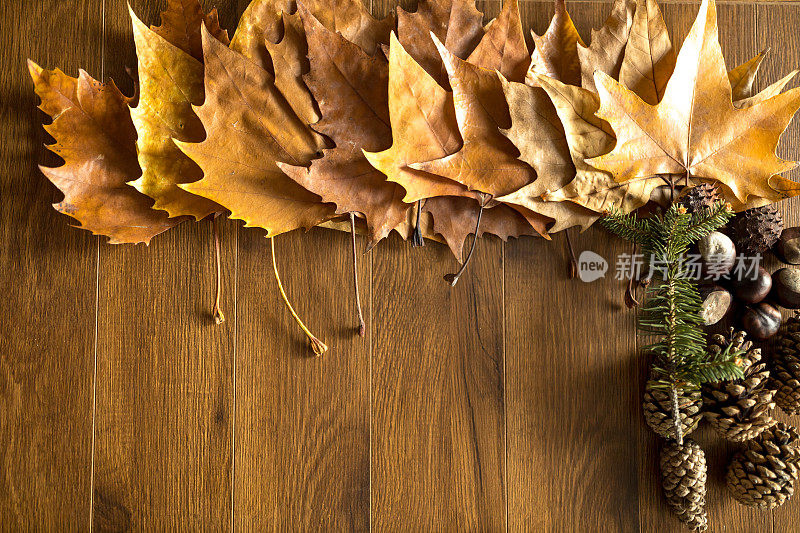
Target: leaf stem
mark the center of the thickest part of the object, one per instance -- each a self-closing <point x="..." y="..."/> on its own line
<point x="573" y="262"/>
<point x="416" y="236"/>
<point x="362" y="328"/>
<point x="453" y="278"/>
<point x="219" y="316"/>
<point x="317" y="345"/>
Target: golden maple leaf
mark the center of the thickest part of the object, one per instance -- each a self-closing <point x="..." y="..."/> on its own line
<point x="608" y="44"/>
<point x="696" y="130"/>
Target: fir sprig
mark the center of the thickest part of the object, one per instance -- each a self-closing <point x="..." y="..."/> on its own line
<point x="672" y="308"/>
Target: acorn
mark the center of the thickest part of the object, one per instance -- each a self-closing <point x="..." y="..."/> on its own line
<point x="761" y="321"/>
<point x="718" y="254"/>
<point x="716" y="303"/>
<point x="787" y="249"/>
<point x="753" y="289"/>
<point x="786" y="288"/>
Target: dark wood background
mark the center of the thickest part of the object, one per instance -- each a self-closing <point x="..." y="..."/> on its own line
<point x="511" y="402"/>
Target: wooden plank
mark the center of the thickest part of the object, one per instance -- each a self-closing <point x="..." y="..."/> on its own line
<point x="302" y="423"/>
<point x="777" y="26"/>
<point x="572" y="409"/>
<point x="48" y="282"/>
<point x="723" y="511"/>
<point x="164" y="416"/>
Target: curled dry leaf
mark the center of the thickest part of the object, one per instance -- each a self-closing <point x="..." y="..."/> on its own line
<point x="171" y="81"/>
<point x="607" y="47"/>
<point x="97" y="141"/>
<point x="351" y="89"/>
<point x="695" y="129"/>
<point x="456" y="23"/>
<point x="556" y="52"/>
<point x="251" y="128"/>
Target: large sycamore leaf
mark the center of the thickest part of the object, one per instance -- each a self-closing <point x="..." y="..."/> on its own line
<point x="607" y="47"/>
<point x="96" y="139"/>
<point x="487" y="161"/>
<point x="424" y="128"/>
<point x="556" y="52"/>
<point x="503" y="46"/>
<point x="537" y="133"/>
<point x="251" y="128"/>
<point x="695" y="129"/>
<point x="457" y="23"/>
<point x="649" y="57"/>
<point x="589" y="136"/>
<point x="171" y="82"/>
<point x="180" y="25"/>
<point x="351" y="88"/>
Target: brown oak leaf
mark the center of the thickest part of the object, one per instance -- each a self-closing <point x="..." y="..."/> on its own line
<point x="695" y="129"/>
<point x="171" y="82"/>
<point x="250" y="129"/>
<point x="96" y="139"/>
<point x="351" y="89"/>
<point x="607" y="47"/>
<point x="457" y="23"/>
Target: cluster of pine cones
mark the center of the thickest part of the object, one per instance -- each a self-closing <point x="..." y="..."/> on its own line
<point x="763" y="473"/>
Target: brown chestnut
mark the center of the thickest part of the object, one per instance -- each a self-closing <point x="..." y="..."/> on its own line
<point x="718" y="254"/>
<point x="753" y="289"/>
<point x="788" y="246"/>
<point x="761" y="321"/>
<point x="786" y="287"/>
<point x="716" y="304"/>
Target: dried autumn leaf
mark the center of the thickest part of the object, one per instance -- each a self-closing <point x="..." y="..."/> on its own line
<point x="351" y="88"/>
<point x="171" y="82"/>
<point x="556" y="52"/>
<point x="773" y="90"/>
<point x="454" y="219"/>
<point x="503" y="46"/>
<point x="743" y="76"/>
<point x="97" y="141"/>
<point x="457" y="23"/>
<point x="607" y="47"/>
<point x="696" y="129"/>
<point x="537" y="133"/>
<point x="589" y="136"/>
<point x="487" y="162"/>
<point x="424" y="127"/>
<point x="649" y="57"/>
<point x="180" y="25"/>
<point x="250" y="128"/>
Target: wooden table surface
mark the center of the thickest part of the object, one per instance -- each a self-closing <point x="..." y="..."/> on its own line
<point x="510" y="402"/>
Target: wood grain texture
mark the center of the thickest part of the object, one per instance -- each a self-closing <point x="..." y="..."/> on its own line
<point x="48" y="284"/>
<point x="302" y="423"/>
<point x="164" y="416"/>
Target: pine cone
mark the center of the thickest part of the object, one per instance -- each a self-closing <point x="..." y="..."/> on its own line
<point x="703" y="196"/>
<point x="657" y="406"/>
<point x="683" y="477"/>
<point x="763" y="474"/>
<point x="786" y="367"/>
<point x="740" y="410"/>
<point x="756" y="230"/>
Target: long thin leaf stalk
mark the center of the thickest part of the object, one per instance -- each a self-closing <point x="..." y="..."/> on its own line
<point x="317" y="345"/>
<point x="573" y="261"/>
<point x="453" y="278"/>
<point x="362" y="328"/>
<point x="416" y="236"/>
<point x="219" y="316"/>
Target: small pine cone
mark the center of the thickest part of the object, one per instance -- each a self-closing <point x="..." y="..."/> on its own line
<point x="683" y="477"/>
<point x="786" y="367"/>
<point x="740" y="410"/>
<point x="657" y="406"/>
<point x="763" y="474"/>
<point x="703" y="196"/>
<point x="756" y="230"/>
